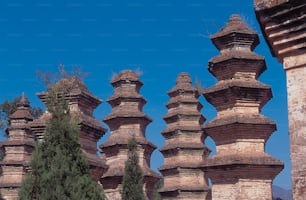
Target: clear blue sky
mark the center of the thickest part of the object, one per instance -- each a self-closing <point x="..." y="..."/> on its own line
<point x="160" y="38"/>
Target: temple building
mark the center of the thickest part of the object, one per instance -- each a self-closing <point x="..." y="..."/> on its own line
<point x="81" y="104"/>
<point x="126" y="121"/>
<point x="17" y="150"/>
<point x="283" y="25"/>
<point x="184" y="150"/>
<point x="241" y="169"/>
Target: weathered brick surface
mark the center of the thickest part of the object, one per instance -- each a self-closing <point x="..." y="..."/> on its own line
<point x="17" y="148"/>
<point x="184" y="150"/>
<point x="10" y="193"/>
<point x="283" y="25"/>
<point x="296" y="88"/>
<point x="81" y="103"/>
<point x="240" y="169"/>
<point x="126" y="121"/>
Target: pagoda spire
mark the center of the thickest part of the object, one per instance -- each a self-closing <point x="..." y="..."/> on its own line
<point x="17" y="150"/>
<point x="184" y="150"/>
<point x="241" y="169"/>
<point x="126" y="121"/>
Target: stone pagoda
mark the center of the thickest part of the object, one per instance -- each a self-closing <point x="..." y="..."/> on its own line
<point x="283" y="25"/>
<point x="126" y="121"/>
<point x="184" y="150"/>
<point x="241" y="169"/>
<point x="81" y="104"/>
<point x="18" y="149"/>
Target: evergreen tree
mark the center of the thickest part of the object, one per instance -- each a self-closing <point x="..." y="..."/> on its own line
<point x="1" y="153"/>
<point x="132" y="186"/>
<point x="59" y="170"/>
<point x="157" y="186"/>
<point x="9" y="107"/>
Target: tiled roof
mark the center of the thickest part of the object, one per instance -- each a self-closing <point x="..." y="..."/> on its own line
<point x="239" y="119"/>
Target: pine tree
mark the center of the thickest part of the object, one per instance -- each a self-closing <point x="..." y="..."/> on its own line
<point x="59" y="170"/>
<point x="157" y="186"/>
<point x="132" y="185"/>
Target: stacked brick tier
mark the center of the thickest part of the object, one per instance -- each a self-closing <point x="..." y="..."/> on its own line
<point x="240" y="169"/>
<point x="184" y="150"/>
<point x="81" y="105"/>
<point x="18" y="149"/>
<point x="283" y="25"/>
<point x="126" y="121"/>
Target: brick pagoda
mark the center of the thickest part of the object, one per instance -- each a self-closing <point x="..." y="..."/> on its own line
<point x="81" y="104"/>
<point x="283" y="25"/>
<point x="18" y="148"/>
<point x="184" y="150"/>
<point x="126" y="121"/>
<point x="240" y="169"/>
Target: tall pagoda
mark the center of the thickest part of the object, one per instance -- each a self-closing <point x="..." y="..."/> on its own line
<point x="81" y="103"/>
<point x="17" y="150"/>
<point x="126" y="121"/>
<point x="184" y="150"/>
<point x="241" y="169"/>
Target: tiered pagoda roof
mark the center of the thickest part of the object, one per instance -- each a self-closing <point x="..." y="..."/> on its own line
<point x="81" y="103"/>
<point x="126" y="121"/>
<point x="239" y="130"/>
<point x="283" y="25"/>
<point x="184" y="150"/>
<point x="17" y="150"/>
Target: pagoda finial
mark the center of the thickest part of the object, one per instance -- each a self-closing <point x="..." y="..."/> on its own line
<point x="126" y="75"/>
<point x="23" y="102"/>
<point x="235" y="34"/>
<point x="234" y="17"/>
<point x="183" y="78"/>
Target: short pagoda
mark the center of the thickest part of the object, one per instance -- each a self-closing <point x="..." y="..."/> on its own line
<point x="81" y="103"/>
<point x="126" y="121"/>
<point x="184" y="150"/>
<point x="17" y="150"/>
<point x="241" y="169"/>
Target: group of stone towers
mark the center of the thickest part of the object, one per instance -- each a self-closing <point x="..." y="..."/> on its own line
<point x="240" y="169"/>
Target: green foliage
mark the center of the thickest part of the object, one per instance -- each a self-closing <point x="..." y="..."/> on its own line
<point x="156" y="195"/>
<point x="2" y="153"/>
<point x="132" y="185"/>
<point x="9" y="107"/>
<point x="49" y="79"/>
<point x="59" y="170"/>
